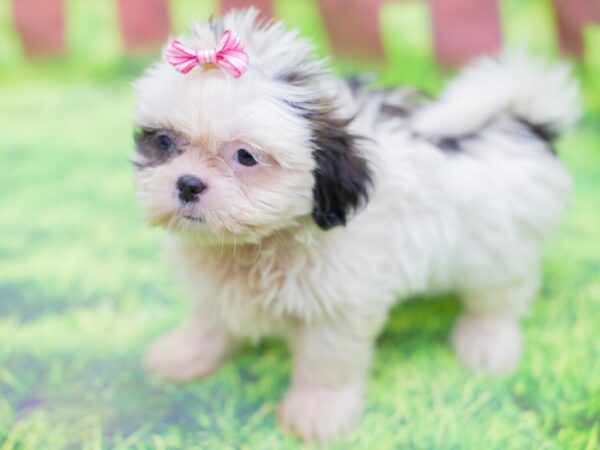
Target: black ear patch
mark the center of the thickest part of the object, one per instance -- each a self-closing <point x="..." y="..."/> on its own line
<point x="342" y="175"/>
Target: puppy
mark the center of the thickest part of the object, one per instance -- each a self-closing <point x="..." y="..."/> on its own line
<point x="303" y="206"/>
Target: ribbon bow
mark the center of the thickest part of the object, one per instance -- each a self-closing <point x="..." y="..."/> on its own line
<point x="229" y="55"/>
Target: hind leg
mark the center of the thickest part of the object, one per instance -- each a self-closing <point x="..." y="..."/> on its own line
<point x="487" y="336"/>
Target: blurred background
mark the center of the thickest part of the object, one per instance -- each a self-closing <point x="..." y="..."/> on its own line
<point x="84" y="285"/>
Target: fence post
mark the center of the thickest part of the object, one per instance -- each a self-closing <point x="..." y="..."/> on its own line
<point x="571" y="16"/>
<point x="144" y="23"/>
<point x="595" y="13"/>
<point x="463" y="29"/>
<point x="353" y="27"/>
<point x="41" y="26"/>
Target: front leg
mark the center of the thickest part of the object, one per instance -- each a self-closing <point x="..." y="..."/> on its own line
<point x="326" y="397"/>
<point x="193" y="350"/>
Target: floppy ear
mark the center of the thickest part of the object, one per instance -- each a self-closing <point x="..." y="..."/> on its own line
<point x="342" y="176"/>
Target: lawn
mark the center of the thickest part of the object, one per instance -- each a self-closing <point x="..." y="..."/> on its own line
<point x="84" y="285"/>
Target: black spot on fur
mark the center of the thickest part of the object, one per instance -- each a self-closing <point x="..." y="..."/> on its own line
<point x="358" y="83"/>
<point x="152" y="154"/>
<point x="294" y="77"/>
<point x="513" y="128"/>
<point x="342" y="176"/>
<point x="355" y="84"/>
<point x="542" y="131"/>
<point x="521" y="130"/>
<point x="389" y="110"/>
<point x="447" y="145"/>
<point x="400" y="102"/>
<point x="451" y="145"/>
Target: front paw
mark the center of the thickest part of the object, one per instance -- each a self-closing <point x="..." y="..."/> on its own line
<point x="186" y="353"/>
<point x="488" y="344"/>
<point x="321" y="413"/>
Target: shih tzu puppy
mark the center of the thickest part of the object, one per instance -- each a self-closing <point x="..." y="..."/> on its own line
<point x="304" y="206"/>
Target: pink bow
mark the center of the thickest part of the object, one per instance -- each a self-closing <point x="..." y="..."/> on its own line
<point x="229" y="55"/>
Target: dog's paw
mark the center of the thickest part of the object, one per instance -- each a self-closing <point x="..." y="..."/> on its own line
<point x="186" y="353"/>
<point x="486" y="343"/>
<point x="321" y="414"/>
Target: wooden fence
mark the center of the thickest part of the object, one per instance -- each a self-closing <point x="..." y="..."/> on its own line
<point x="462" y="29"/>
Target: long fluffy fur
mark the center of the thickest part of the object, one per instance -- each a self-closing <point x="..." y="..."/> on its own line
<point x="527" y="89"/>
<point x="373" y="196"/>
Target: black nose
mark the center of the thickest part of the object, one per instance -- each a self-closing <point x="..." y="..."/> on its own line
<point x="189" y="188"/>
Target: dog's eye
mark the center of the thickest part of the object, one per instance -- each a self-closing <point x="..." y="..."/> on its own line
<point x="164" y="142"/>
<point x="245" y="158"/>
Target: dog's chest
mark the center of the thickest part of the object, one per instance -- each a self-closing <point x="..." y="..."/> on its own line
<point x="263" y="290"/>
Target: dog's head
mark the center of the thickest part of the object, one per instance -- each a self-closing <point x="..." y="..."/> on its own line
<point x="246" y="157"/>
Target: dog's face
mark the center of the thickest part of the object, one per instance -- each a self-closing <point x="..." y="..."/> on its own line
<point x="227" y="158"/>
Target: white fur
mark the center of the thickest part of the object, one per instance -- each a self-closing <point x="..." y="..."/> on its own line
<point x="512" y="82"/>
<point x="471" y="222"/>
<point x="193" y="350"/>
<point x="487" y="343"/>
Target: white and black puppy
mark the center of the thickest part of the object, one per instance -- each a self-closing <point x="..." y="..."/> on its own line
<point x="302" y="206"/>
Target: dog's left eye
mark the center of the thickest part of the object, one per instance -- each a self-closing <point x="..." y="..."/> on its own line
<point x="164" y="142"/>
<point x="245" y="158"/>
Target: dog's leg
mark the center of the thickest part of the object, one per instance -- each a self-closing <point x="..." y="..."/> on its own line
<point x="328" y="382"/>
<point x="487" y="336"/>
<point x="194" y="350"/>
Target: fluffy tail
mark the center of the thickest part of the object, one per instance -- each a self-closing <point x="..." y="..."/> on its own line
<point x="545" y="97"/>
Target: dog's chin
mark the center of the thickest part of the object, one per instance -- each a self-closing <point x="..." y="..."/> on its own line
<point x="196" y="227"/>
<point x="192" y="218"/>
<point x="175" y="220"/>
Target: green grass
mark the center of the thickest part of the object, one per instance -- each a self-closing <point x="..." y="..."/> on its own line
<point x="84" y="285"/>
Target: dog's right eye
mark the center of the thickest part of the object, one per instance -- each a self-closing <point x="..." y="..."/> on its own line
<point x="164" y="143"/>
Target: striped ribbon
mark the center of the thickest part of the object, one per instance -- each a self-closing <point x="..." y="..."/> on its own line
<point x="230" y="55"/>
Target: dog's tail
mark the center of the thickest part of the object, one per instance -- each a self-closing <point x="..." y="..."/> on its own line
<point x="545" y="97"/>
